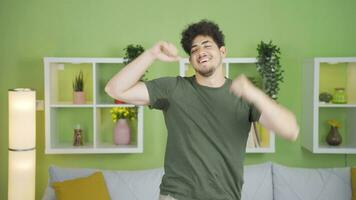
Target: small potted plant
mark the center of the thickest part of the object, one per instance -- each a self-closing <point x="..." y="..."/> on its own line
<point x="78" y="89"/>
<point x="334" y="138"/>
<point x="325" y="97"/>
<point x="132" y="52"/>
<point x="269" y="68"/>
<point x="122" y="132"/>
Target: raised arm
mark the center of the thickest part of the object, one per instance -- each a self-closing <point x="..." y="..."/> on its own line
<point x="125" y="85"/>
<point x="273" y="116"/>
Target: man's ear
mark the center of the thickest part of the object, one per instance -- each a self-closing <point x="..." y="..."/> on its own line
<point x="223" y="51"/>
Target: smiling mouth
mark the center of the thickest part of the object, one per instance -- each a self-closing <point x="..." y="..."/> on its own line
<point x="204" y="60"/>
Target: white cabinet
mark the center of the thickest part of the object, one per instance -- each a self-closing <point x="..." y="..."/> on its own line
<point x="233" y="67"/>
<point x="94" y="117"/>
<point x="324" y="75"/>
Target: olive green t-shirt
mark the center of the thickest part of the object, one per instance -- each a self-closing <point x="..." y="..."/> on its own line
<point x="207" y="135"/>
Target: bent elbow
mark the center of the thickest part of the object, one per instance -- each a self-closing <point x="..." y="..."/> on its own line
<point x="109" y="90"/>
<point x="113" y="92"/>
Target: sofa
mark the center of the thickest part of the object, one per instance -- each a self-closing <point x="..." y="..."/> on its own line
<point x="267" y="181"/>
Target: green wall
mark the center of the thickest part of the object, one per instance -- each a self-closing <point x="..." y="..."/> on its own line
<point x="33" y="29"/>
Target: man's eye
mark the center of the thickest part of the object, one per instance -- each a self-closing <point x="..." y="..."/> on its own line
<point x="207" y="46"/>
<point x="193" y="51"/>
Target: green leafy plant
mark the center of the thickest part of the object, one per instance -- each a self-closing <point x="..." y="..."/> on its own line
<point x="123" y="113"/>
<point x="132" y="52"/>
<point x="325" y="97"/>
<point x="269" y="67"/>
<point x="78" y="82"/>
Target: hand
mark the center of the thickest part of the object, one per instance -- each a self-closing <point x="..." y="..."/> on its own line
<point x="243" y="88"/>
<point x="165" y="51"/>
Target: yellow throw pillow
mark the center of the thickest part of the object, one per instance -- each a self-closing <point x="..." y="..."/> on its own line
<point x="92" y="187"/>
<point x="353" y="183"/>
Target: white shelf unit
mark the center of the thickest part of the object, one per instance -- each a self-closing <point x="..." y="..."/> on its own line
<point x="93" y="116"/>
<point x="185" y="69"/>
<point x="323" y="75"/>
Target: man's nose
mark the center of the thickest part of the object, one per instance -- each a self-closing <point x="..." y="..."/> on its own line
<point x="201" y="53"/>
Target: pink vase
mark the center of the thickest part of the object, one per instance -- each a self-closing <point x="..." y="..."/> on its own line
<point x="78" y="97"/>
<point x="122" y="132"/>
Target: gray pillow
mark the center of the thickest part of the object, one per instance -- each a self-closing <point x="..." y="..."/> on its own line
<point x="311" y="184"/>
<point x="257" y="182"/>
<point x="136" y="185"/>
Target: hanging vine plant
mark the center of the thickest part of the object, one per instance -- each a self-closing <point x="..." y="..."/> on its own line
<point x="269" y="67"/>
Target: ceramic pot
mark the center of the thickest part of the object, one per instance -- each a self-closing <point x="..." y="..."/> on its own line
<point x="339" y="96"/>
<point x="79" y="97"/>
<point x="122" y="132"/>
<point x="334" y="137"/>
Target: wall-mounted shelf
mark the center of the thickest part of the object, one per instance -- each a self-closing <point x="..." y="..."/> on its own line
<point x="93" y="116"/>
<point x="324" y="75"/>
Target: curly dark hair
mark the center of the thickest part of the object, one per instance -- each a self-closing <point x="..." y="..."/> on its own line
<point x="205" y="28"/>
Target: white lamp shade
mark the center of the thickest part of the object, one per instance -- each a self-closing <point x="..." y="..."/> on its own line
<point x="22" y="143"/>
<point x="22" y="171"/>
<point x="22" y="119"/>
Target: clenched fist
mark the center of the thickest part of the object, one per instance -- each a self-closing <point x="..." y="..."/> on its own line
<point x="243" y="88"/>
<point x="165" y="51"/>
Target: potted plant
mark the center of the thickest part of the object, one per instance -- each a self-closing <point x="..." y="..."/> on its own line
<point x="269" y="67"/>
<point x="78" y="89"/>
<point x="122" y="132"/>
<point x="132" y="52"/>
<point x="325" y="97"/>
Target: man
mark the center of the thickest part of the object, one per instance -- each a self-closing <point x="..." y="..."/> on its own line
<point x="208" y="116"/>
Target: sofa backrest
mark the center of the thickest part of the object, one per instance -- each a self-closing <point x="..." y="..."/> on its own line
<point x="305" y="183"/>
<point x="265" y="181"/>
<point x="257" y="182"/>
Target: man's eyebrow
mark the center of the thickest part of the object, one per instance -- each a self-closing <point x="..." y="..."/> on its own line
<point x="204" y="42"/>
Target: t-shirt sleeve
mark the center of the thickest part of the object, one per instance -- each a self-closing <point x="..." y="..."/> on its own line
<point x="159" y="91"/>
<point x="254" y="114"/>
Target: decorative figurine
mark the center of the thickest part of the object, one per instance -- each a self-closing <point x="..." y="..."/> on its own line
<point x="78" y="136"/>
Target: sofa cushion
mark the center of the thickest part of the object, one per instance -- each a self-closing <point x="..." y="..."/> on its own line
<point x="92" y="187"/>
<point x="311" y="184"/>
<point x="257" y="182"/>
<point x="353" y="182"/>
<point x="138" y="185"/>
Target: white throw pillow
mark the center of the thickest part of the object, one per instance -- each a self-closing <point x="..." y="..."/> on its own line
<point x="257" y="182"/>
<point x="311" y="184"/>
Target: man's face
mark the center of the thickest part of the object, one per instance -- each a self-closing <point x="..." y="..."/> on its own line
<point x="205" y="55"/>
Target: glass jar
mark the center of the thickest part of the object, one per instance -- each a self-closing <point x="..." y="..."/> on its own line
<point x="339" y="96"/>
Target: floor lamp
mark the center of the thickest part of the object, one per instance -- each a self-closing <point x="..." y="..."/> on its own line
<point x="22" y="143"/>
